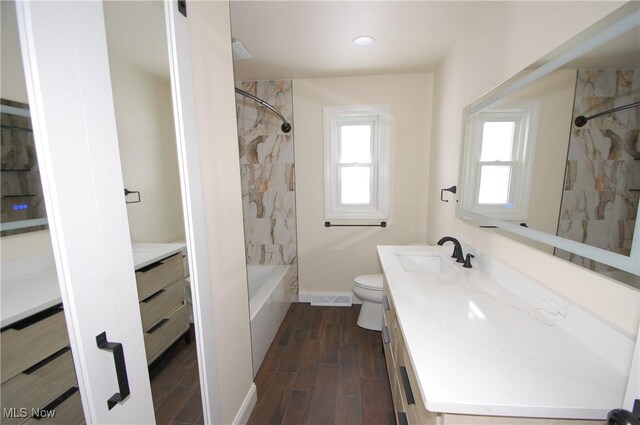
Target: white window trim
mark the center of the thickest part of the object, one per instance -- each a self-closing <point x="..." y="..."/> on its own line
<point x="526" y="112"/>
<point x="334" y="116"/>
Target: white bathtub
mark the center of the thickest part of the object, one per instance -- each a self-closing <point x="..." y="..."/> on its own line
<point x="269" y="300"/>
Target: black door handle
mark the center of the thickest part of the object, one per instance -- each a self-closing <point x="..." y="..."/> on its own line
<point x="121" y="369"/>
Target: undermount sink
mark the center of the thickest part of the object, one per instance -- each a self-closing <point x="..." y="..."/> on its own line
<point x="426" y="262"/>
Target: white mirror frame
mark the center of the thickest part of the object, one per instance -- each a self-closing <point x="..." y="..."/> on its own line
<point x="621" y="21"/>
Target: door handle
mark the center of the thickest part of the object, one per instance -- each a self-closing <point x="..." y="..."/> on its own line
<point x="121" y="369"/>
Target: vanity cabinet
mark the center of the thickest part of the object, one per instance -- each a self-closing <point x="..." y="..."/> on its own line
<point x="164" y="313"/>
<point x="407" y="397"/>
<point x="37" y="371"/>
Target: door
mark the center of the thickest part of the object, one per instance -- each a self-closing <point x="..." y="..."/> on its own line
<point x="68" y="81"/>
<point x="65" y="57"/>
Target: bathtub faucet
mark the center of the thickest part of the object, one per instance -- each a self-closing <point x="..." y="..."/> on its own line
<point x="457" y="250"/>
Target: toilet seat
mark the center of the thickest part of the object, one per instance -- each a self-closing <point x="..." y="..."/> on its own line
<point x="372" y="282"/>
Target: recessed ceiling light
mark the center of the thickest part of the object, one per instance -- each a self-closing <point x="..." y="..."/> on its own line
<point x="364" y="40"/>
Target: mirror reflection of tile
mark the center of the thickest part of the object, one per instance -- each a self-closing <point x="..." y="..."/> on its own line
<point x="600" y="197"/>
<point x="22" y="197"/>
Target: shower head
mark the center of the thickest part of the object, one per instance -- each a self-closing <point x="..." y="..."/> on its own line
<point x="285" y="127"/>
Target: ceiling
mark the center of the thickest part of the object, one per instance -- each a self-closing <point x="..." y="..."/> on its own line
<point x="309" y="39"/>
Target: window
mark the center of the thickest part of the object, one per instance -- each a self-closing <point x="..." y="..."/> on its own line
<point x="499" y="180"/>
<point x="356" y="177"/>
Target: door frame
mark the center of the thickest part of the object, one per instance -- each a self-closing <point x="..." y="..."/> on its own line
<point x="193" y="207"/>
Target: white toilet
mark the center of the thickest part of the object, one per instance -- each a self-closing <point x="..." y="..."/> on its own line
<point x="368" y="287"/>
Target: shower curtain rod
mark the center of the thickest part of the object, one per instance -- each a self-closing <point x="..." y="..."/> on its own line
<point x="582" y="120"/>
<point x="285" y="127"/>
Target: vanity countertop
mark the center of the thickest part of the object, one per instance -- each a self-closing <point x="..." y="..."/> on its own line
<point x="30" y="284"/>
<point x="479" y="347"/>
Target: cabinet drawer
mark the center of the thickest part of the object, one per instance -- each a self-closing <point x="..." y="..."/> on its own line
<point x="22" y="348"/>
<point x="163" y="302"/>
<point x="422" y="415"/>
<point x="156" y="276"/>
<point x="69" y="412"/>
<point x="165" y="332"/>
<point x="37" y="388"/>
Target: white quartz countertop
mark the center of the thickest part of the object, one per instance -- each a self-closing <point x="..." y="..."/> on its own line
<point x="30" y="284"/>
<point x="480" y="348"/>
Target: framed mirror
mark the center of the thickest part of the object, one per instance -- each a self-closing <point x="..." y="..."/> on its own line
<point x="551" y="157"/>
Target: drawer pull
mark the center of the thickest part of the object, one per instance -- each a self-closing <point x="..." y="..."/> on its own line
<point x="121" y="369"/>
<point x="385" y="335"/>
<point x="407" y="385"/>
<point x="46" y="361"/>
<point x="51" y="407"/>
<point x="152" y="296"/>
<point x="158" y="325"/>
<point x="154" y="265"/>
<point x="34" y="318"/>
<point x="150" y="266"/>
<point x="385" y="302"/>
<point x="402" y="418"/>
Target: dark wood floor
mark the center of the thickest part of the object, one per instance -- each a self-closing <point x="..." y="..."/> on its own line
<point x="323" y="369"/>
<point x="175" y="385"/>
<point x="320" y="369"/>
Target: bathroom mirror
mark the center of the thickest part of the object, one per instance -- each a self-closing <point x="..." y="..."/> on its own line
<point x="529" y="172"/>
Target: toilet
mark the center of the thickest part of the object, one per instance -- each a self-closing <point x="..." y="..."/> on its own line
<point x="368" y="288"/>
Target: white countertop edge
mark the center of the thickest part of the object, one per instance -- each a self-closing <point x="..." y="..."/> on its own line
<point x="542" y="412"/>
<point x="26" y="313"/>
<point x="145" y="254"/>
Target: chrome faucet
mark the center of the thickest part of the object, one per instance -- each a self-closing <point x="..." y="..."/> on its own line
<point x="457" y="250"/>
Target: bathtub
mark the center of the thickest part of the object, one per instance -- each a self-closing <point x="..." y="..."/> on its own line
<point x="269" y="300"/>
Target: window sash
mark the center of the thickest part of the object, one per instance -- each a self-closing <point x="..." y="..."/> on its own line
<point x="372" y="183"/>
<point x="374" y="116"/>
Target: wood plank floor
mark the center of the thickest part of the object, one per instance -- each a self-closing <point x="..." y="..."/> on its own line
<point x="175" y="385"/>
<point x="323" y="369"/>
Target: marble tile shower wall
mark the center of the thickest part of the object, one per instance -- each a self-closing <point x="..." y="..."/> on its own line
<point x="600" y="198"/>
<point x="267" y="173"/>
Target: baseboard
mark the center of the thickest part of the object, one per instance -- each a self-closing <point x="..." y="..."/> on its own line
<point x="328" y="298"/>
<point x="242" y="417"/>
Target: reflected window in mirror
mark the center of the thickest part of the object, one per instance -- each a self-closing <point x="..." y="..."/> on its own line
<point x="23" y="208"/>
<point x="500" y="163"/>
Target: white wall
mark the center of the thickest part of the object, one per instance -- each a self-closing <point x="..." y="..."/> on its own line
<point x="212" y="69"/>
<point x="330" y="258"/>
<point x="511" y="36"/>
<point x="13" y="87"/>
<point x="148" y="153"/>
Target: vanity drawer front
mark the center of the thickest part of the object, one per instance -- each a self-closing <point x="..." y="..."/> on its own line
<point x="37" y="388"/>
<point x="163" y="302"/>
<point x="22" y="348"/>
<point x="421" y="413"/>
<point x="165" y="332"/>
<point x="156" y="276"/>
<point x="69" y="412"/>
